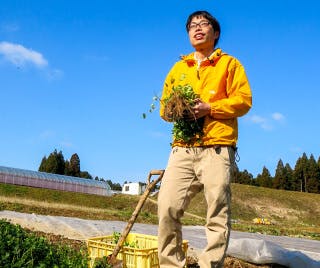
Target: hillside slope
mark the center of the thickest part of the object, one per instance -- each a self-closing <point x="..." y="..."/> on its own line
<point x="292" y="213"/>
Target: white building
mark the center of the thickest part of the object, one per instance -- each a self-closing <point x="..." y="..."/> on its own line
<point x="134" y="188"/>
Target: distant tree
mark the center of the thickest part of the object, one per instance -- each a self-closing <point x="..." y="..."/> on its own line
<point x="300" y="173"/>
<point x="85" y="175"/>
<point x="279" y="180"/>
<point x="61" y="163"/>
<point x="288" y="174"/>
<point x="318" y="163"/>
<point x="264" y="179"/>
<point x="117" y="187"/>
<point x="55" y="163"/>
<point x="67" y="168"/>
<point x="244" y="177"/>
<point x="313" y="174"/>
<point x="74" y="166"/>
<point x="43" y="163"/>
<point x="114" y="186"/>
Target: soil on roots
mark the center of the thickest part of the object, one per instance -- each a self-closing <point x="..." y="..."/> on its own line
<point x="177" y="107"/>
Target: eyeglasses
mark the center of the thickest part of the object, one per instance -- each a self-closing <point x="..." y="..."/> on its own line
<point x="201" y="24"/>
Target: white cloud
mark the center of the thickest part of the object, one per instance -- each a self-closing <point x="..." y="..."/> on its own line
<point x="267" y="123"/>
<point x="277" y="116"/>
<point x="19" y="55"/>
<point x="257" y="119"/>
<point x="261" y="121"/>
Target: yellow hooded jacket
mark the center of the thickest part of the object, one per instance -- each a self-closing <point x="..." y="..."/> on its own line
<point x="221" y="81"/>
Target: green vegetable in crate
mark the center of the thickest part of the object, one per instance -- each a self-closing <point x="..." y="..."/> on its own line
<point x="116" y="237"/>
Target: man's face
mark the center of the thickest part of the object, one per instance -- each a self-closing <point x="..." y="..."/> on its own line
<point x="201" y="33"/>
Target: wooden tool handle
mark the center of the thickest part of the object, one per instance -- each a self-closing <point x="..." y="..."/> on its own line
<point x="135" y="214"/>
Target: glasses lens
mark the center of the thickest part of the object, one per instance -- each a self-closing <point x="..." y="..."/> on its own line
<point x="201" y="24"/>
<point x="204" y="24"/>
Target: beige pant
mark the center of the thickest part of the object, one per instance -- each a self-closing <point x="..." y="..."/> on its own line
<point x="190" y="170"/>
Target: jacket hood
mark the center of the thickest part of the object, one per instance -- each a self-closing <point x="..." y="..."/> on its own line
<point x="211" y="60"/>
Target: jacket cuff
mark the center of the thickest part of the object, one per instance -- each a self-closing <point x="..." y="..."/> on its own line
<point x="212" y="110"/>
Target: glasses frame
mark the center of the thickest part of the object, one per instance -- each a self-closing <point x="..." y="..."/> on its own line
<point x="201" y="24"/>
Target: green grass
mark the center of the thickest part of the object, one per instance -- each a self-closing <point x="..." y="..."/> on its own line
<point x="19" y="248"/>
<point x="292" y="213"/>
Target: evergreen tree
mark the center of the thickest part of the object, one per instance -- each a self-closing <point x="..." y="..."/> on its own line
<point x="67" y="168"/>
<point x="288" y="174"/>
<point x="43" y="163"/>
<point x="318" y="163"/>
<point x="114" y="186"/>
<point x="313" y="182"/>
<point x="264" y="179"/>
<point x="55" y="163"/>
<point x="117" y="187"/>
<point x="74" y="166"/>
<point x="300" y="174"/>
<point x="244" y="177"/>
<point x="279" y="177"/>
<point x="85" y="175"/>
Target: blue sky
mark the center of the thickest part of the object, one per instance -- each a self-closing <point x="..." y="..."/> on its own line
<point x="76" y="76"/>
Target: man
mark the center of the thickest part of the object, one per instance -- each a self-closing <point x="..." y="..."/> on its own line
<point x="224" y="94"/>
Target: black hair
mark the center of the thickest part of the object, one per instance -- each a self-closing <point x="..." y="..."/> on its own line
<point x="213" y="21"/>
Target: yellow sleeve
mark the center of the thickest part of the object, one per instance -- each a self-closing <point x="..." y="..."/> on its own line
<point x="239" y="100"/>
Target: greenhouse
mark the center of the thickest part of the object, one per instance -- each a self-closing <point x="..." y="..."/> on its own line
<point x="53" y="181"/>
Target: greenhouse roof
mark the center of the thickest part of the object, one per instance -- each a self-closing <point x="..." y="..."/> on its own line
<point x="52" y="177"/>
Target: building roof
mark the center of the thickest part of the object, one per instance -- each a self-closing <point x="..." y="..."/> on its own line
<point x="52" y="177"/>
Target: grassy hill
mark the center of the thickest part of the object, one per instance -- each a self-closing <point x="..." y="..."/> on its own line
<point x="291" y="213"/>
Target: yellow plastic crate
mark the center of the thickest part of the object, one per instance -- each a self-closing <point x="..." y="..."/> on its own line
<point x="143" y="255"/>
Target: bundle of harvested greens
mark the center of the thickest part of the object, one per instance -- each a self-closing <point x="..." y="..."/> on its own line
<point x="178" y="109"/>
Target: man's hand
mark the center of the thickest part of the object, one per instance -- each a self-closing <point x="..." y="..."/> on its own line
<point x="201" y="108"/>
